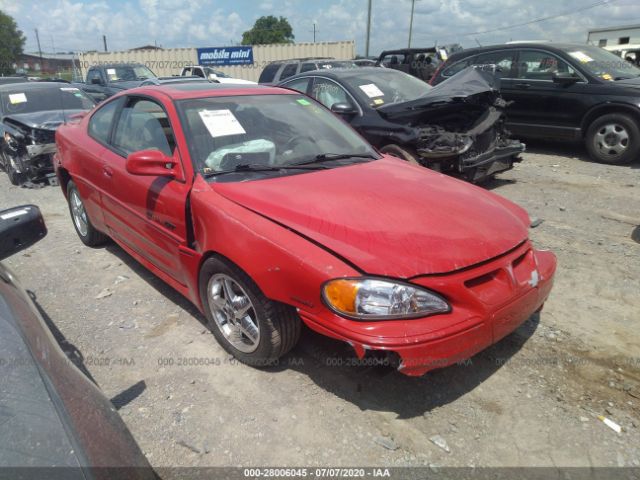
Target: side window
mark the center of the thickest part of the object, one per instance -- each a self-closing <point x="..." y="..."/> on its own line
<point x="329" y="93"/>
<point x="308" y="67"/>
<point x="455" y="68"/>
<point x="268" y="73"/>
<point x="95" y="73"/>
<point x="101" y="120"/>
<point x="143" y="125"/>
<point x="502" y="59"/>
<point x="289" y="70"/>
<point x="540" y="65"/>
<point x="300" y="84"/>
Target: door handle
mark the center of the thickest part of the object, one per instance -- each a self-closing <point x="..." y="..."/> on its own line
<point x="107" y="171"/>
<point x="522" y="85"/>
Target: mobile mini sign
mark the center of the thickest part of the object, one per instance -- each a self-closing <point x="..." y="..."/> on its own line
<point x="225" y="56"/>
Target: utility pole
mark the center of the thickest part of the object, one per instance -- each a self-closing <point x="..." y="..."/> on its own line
<point x="413" y="6"/>
<point x="104" y="41"/>
<point x="366" y="50"/>
<point x="39" y="50"/>
<point x="314" y="32"/>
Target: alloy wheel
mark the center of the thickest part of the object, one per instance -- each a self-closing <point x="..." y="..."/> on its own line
<point x="79" y="214"/>
<point x="233" y="312"/>
<point x="611" y="139"/>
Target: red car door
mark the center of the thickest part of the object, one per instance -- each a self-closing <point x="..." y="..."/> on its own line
<point x="88" y="159"/>
<point x="145" y="213"/>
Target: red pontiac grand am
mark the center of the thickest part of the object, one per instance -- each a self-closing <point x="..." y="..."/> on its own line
<point x="266" y="210"/>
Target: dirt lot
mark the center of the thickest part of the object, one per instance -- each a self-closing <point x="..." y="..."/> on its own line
<point x="532" y="399"/>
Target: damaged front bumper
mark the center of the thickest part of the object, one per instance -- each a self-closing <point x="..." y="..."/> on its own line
<point x="479" y="167"/>
<point x="475" y="154"/>
<point x="488" y="303"/>
<point x="37" y="150"/>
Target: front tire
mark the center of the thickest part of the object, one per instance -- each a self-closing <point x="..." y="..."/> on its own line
<point x="16" y="178"/>
<point x="613" y="139"/>
<point x="254" y="329"/>
<point x="81" y="222"/>
<point x="401" y="153"/>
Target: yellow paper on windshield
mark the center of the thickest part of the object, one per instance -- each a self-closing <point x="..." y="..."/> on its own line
<point x="15" y="98"/>
<point x="581" y="56"/>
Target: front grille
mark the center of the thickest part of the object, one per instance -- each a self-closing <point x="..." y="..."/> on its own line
<point x="43" y="136"/>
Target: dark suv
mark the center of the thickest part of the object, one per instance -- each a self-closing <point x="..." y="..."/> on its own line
<point x="281" y="69"/>
<point x="564" y="91"/>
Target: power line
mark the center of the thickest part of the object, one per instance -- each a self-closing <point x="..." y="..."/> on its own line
<point x="537" y="20"/>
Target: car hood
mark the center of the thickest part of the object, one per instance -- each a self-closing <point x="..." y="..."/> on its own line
<point x="47" y="120"/>
<point x="470" y="85"/>
<point x="629" y="82"/>
<point x="388" y="217"/>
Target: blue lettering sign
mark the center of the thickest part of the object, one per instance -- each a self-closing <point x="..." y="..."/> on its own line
<point x="225" y="56"/>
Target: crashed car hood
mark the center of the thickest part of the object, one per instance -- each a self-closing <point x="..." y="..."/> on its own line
<point x="462" y="87"/>
<point x="388" y="217"/>
<point x="47" y="120"/>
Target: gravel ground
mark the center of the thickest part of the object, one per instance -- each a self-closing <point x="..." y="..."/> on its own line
<point x="531" y="400"/>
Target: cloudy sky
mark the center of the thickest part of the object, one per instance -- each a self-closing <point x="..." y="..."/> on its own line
<point x="72" y="25"/>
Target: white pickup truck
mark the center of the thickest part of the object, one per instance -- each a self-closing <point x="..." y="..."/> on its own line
<point x="211" y="74"/>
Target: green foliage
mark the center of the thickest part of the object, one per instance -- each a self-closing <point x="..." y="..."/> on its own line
<point x="269" y="30"/>
<point x="11" y="44"/>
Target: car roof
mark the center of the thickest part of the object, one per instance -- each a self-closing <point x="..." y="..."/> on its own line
<point x="28" y="86"/>
<point x="114" y="65"/>
<point x="408" y="50"/>
<point x="337" y="73"/>
<point x="518" y="46"/>
<point x="305" y="59"/>
<point x="183" y="91"/>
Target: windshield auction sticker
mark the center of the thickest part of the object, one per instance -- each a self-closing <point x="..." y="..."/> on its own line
<point x="581" y="57"/>
<point x="15" y="98"/>
<point x="372" y="90"/>
<point x="221" y="123"/>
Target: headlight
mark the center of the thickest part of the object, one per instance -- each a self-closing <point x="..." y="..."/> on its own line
<point x="10" y="141"/>
<point x="379" y="299"/>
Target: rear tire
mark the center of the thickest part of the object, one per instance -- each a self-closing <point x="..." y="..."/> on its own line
<point x="402" y="153"/>
<point x="231" y="298"/>
<point x="81" y="222"/>
<point x="613" y="139"/>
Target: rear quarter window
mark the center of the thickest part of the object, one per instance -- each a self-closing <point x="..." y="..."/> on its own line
<point x="269" y="73"/>
<point x="101" y="120"/>
<point x="289" y="71"/>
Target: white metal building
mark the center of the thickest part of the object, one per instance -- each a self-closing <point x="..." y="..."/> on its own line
<point x="610" y="36"/>
<point x="166" y="62"/>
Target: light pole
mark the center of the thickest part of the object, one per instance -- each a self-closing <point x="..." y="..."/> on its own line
<point x="413" y="5"/>
<point x="366" y="50"/>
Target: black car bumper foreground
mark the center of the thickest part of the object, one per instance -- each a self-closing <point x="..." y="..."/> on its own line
<point x="477" y="168"/>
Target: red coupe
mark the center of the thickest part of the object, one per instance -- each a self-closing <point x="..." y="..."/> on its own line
<point x="265" y="210"/>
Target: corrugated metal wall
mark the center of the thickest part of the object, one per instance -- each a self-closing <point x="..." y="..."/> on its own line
<point x="170" y="61"/>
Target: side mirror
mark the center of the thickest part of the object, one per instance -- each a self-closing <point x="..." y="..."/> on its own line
<point x="565" y="78"/>
<point x="20" y="227"/>
<point x="343" y="109"/>
<point x="96" y="81"/>
<point x="151" y="163"/>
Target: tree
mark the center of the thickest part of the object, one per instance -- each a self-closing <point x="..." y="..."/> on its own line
<point x="11" y="44"/>
<point x="268" y="30"/>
